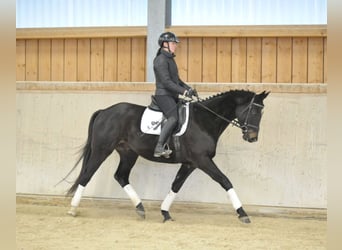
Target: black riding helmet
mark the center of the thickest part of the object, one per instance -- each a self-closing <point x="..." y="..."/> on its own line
<point x="167" y="37"/>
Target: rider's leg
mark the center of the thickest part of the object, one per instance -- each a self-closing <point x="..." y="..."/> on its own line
<point x="168" y="105"/>
<point x="164" y="135"/>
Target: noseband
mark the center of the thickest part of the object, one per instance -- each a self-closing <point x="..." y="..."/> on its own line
<point x="244" y="127"/>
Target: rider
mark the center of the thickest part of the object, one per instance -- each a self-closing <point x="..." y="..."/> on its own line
<point x="168" y="87"/>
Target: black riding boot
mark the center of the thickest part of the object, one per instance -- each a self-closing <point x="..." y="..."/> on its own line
<point x="164" y="135"/>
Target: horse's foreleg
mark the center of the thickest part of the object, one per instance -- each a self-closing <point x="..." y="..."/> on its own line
<point x="238" y="206"/>
<point x="182" y="174"/>
<point x="139" y="208"/>
<point x="210" y="168"/>
<point x="127" y="161"/>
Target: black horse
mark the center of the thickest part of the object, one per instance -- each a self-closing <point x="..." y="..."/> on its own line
<point x="118" y="128"/>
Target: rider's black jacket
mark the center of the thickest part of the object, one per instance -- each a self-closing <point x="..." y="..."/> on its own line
<point x="166" y="74"/>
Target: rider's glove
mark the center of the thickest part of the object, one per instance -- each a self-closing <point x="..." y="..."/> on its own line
<point x="190" y="93"/>
<point x="195" y="93"/>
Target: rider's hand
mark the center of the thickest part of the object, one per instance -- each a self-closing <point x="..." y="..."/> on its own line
<point x="195" y="93"/>
<point x="190" y="93"/>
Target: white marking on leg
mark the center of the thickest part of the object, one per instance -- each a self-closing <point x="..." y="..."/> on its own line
<point x="168" y="201"/>
<point x="234" y="198"/>
<point x="72" y="211"/>
<point x="77" y="196"/>
<point x="132" y="194"/>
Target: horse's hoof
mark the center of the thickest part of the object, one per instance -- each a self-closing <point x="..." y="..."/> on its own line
<point x="168" y="219"/>
<point x="140" y="210"/>
<point x="167" y="216"/>
<point x="244" y="219"/>
<point x="72" y="212"/>
<point x="141" y="214"/>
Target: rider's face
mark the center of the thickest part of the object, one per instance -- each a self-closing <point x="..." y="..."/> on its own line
<point x="172" y="46"/>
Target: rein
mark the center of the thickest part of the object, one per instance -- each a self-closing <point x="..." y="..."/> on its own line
<point x="235" y="122"/>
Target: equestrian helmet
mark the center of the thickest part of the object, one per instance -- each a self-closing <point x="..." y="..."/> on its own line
<point x="167" y="37"/>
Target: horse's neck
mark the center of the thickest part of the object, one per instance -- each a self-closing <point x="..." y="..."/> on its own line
<point x="222" y="106"/>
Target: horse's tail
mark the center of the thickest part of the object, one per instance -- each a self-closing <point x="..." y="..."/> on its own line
<point x="85" y="154"/>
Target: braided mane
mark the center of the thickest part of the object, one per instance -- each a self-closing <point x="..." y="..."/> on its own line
<point x="235" y="92"/>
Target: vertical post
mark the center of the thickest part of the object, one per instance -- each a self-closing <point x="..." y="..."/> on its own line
<point x="158" y="17"/>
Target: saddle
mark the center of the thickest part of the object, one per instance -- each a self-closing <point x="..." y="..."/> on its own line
<point x="153" y="119"/>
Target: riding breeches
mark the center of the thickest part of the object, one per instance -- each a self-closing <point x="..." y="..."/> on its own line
<point x="168" y="106"/>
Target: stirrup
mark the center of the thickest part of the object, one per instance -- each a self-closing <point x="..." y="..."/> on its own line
<point x="165" y="153"/>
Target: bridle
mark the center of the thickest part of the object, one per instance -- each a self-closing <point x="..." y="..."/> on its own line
<point x="245" y="126"/>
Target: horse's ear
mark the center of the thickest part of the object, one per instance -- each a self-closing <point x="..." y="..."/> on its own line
<point x="264" y="94"/>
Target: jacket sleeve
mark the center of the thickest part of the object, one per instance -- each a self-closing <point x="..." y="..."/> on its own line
<point x="183" y="84"/>
<point x="163" y="74"/>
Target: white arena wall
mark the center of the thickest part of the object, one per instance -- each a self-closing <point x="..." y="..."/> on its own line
<point x="287" y="167"/>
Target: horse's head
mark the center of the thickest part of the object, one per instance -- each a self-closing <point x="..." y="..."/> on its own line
<point x="249" y="113"/>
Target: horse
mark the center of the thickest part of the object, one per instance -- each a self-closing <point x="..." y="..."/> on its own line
<point x="118" y="128"/>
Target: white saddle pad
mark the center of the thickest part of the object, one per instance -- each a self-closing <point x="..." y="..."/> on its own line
<point x="150" y="121"/>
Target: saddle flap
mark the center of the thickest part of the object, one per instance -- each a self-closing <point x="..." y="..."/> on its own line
<point x="152" y="120"/>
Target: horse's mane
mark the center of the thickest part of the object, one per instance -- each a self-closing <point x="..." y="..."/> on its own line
<point x="232" y="93"/>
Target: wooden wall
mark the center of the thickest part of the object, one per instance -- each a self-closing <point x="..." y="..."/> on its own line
<point x="253" y="59"/>
<point x="267" y="54"/>
<point x="81" y="59"/>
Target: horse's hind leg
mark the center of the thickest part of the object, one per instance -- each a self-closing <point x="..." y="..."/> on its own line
<point x="182" y="174"/>
<point x="127" y="161"/>
<point x="93" y="163"/>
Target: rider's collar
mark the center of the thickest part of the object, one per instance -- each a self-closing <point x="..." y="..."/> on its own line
<point x="166" y="53"/>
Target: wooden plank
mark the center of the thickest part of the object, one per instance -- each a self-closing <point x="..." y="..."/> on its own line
<point x="81" y="32"/>
<point x="269" y="60"/>
<point x="31" y="56"/>
<point x="182" y="58"/>
<point x="124" y="59"/>
<point x="20" y="60"/>
<point x="44" y="60"/>
<point x="181" y="31"/>
<point x="251" y="31"/>
<point x="224" y="59"/>
<point x="239" y="52"/>
<point x="209" y="60"/>
<point x="57" y="60"/>
<point x="254" y="59"/>
<point x="83" y="59"/>
<point x="284" y="60"/>
<point x="96" y="59"/>
<point x="325" y="59"/>
<point x="138" y="59"/>
<point x="110" y="59"/>
<point x="70" y="60"/>
<point x="315" y="60"/>
<point x="195" y="59"/>
<point x="305" y="88"/>
<point x="300" y="60"/>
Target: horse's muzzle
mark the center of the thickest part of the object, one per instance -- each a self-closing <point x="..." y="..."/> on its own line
<point x="250" y="135"/>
